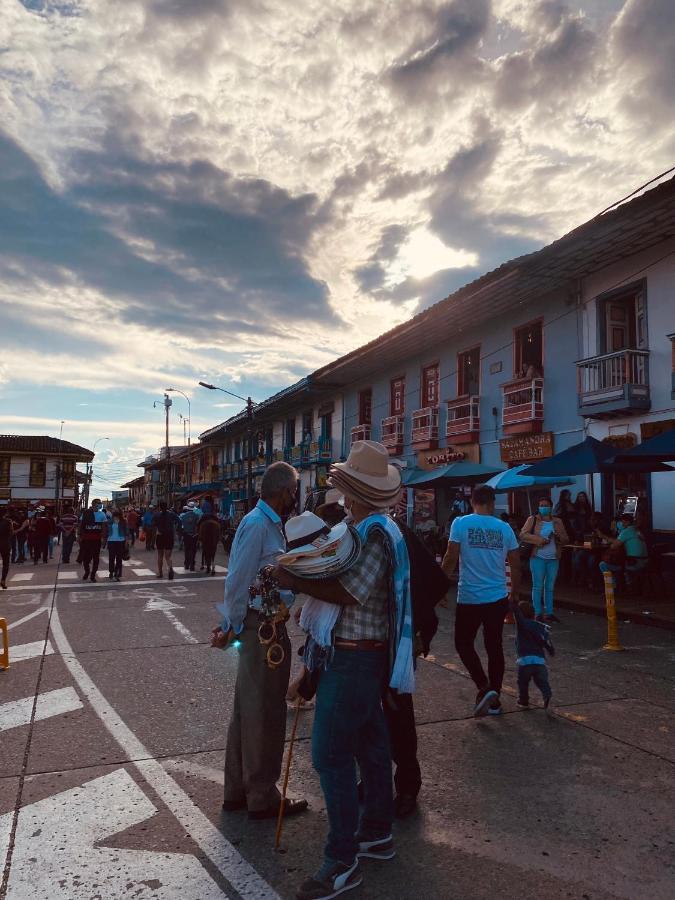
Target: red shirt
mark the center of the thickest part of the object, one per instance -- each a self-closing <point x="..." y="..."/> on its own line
<point x="132" y="519"/>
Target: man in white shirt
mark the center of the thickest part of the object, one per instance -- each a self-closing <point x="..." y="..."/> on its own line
<point x="482" y="543"/>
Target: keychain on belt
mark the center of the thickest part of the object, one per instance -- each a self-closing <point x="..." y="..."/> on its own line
<point x="273" y="613"/>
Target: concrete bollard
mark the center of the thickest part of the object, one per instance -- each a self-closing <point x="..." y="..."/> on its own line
<point x="508" y="618"/>
<point x="612" y="622"/>
<point x="4" y="656"/>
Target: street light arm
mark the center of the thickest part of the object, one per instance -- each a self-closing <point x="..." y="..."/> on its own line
<point x="214" y="387"/>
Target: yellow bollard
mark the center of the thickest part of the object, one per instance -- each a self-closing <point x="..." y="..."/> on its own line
<point x="4" y="656"/>
<point x="612" y="622"/>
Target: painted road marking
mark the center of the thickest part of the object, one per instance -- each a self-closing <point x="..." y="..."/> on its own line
<point x="224" y="856"/>
<point x="144" y="572"/>
<point x="55" y="854"/>
<point x="157" y="603"/>
<point x="28" y="617"/>
<point x="106" y="583"/>
<point x="19" y="652"/>
<point x="22" y="576"/>
<point x="68" y="575"/>
<point x="220" y="568"/>
<point x="53" y="703"/>
<point x="132" y="562"/>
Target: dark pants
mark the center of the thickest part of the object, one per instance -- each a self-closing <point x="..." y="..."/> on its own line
<point x="41" y="548"/>
<point x="115" y="549"/>
<point x="400" y="716"/>
<point x="5" y="552"/>
<point x="150" y="534"/>
<point x="209" y="551"/>
<point x="20" y="548"/>
<point x="468" y="619"/>
<point x="537" y="673"/>
<point x="350" y="729"/>
<point x="67" y="547"/>
<point x="255" y="738"/>
<point x="90" y="552"/>
<point x="133" y="534"/>
<point x="190" y="544"/>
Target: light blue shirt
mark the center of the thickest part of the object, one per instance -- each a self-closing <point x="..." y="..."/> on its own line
<point x="259" y="542"/>
<point x="484" y="543"/>
<point x="115" y="533"/>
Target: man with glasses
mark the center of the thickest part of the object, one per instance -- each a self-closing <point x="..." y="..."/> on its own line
<point x="255" y="738"/>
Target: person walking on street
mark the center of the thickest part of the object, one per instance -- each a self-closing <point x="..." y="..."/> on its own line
<point x="52" y="531"/>
<point x="482" y="543"/>
<point x="209" y="536"/>
<point x="546" y="534"/>
<point x="21" y="526"/>
<point x="42" y="527"/>
<point x="6" y="534"/>
<point x="147" y="521"/>
<point x="367" y="652"/>
<point x="117" y="538"/>
<point x="532" y="639"/>
<point x="93" y="533"/>
<point x="68" y="526"/>
<point x="257" y="730"/>
<point x="189" y="524"/>
<point x="164" y="522"/>
<point x="132" y="525"/>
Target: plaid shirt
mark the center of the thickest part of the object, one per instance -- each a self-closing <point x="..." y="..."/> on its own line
<point x="368" y="583"/>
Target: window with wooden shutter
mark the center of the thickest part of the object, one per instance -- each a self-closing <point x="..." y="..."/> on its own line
<point x="38" y="471"/>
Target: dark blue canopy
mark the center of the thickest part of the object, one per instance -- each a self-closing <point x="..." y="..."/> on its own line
<point x="658" y="449"/>
<point x="591" y="456"/>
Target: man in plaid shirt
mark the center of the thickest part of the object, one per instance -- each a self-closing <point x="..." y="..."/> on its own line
<point x="349" y="724"/>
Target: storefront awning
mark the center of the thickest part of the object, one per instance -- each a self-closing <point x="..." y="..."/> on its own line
<point x="453" y="475"/>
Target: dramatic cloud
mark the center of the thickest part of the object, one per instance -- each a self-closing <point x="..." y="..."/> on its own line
<point x="239" y="190"/>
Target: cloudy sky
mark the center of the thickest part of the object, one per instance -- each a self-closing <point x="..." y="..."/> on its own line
<point x="238" y="190"/>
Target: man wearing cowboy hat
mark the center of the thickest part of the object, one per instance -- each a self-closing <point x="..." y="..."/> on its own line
<point x="349" y="724"/>
<point x="255" y="737"/>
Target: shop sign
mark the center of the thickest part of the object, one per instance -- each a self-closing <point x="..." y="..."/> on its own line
<point x="621" y="441"/>
<point x="432" y="459"/>
<point x="526" y="447"/>
<point x="424" y="508"/>
<point x="649" y="430"/>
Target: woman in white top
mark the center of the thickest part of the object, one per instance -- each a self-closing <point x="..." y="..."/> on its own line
<point x="546" y="534"/>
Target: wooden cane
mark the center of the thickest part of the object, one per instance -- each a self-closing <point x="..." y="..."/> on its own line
<point x="282" y="805"/>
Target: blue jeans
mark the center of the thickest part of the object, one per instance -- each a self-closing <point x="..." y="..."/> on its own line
<point x="539" y="674"/>
<point x="544" y="573"/>
<point x="350" y="729"/>
<point x="632" y="567"/>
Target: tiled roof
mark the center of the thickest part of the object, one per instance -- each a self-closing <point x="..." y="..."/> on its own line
<point x="42" y="443"/>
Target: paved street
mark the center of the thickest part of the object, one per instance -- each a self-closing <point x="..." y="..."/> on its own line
<point x="113" y="718"/>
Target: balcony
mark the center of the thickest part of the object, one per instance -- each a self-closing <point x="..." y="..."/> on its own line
<point x="523" y="406"/>
<point x="463" y="426"/>
<point x="392" y="433"/>
<point x="360" y="433"/>
<point x="425" y="428"/>
<point x="613" y="384"/>
<point x="298" y="456"/>
<point x="321" y="451"/>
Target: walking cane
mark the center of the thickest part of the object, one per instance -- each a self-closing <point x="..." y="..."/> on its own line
<point x="282" y="805"/>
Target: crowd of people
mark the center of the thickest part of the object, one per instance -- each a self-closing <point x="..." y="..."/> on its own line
<point x="32" y="534"/>
<point x="364" y="589"/>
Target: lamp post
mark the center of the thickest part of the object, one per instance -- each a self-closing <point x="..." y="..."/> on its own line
<point x="249" y="413"/>
<point x="90" y="472"/>
<point x="167" y="402"/>
<point x="189" y="421"/>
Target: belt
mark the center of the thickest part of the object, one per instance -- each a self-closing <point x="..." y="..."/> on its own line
<point x="359" y="645"/>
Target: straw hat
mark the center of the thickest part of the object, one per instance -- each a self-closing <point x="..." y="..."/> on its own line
<point x="368" y="464"/>
<point x="317" y="551"/>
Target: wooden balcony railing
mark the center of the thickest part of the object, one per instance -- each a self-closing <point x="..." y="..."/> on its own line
<point x="361" y="433"/>
<point x="425" y="425"/>
<point x="614" y="382"/>
<point x="523" y="401"/>
<point x="463" y="417"/>
<point x="392" y="432"/>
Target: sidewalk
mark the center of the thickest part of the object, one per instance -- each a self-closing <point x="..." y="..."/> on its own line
<point x="645" y="610"/>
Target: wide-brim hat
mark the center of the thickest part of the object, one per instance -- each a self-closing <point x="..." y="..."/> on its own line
<point x="316" y="550"/>
<point x="362" y="493"/>
<point x="332" y="562"/>
<point x="368" y="464"/>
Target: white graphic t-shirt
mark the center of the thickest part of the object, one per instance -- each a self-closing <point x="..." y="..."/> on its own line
<point x="484" y="543"/>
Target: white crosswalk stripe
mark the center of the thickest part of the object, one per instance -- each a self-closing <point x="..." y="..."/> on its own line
<point x="143" y="572"/>
<point x="52" y="703"/>
<point x="19" y="652"/>
<point x="22" y="576"/>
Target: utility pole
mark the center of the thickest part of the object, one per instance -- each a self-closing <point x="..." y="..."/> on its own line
<point x="249" y="472"/>
<point x="167" y="405"/>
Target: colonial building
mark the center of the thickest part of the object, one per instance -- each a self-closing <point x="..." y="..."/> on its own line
<point x="40" y="469"/>
<point x="574" y="339"/>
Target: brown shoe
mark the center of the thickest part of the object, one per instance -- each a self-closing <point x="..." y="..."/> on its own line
<point x="292" y="808"/>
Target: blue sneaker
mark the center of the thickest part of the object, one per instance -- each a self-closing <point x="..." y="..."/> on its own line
<point x="332" y="879"/>
<point x="377" y="848"/>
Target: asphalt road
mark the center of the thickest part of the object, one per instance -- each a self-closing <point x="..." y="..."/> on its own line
<point x="113" y="718"/>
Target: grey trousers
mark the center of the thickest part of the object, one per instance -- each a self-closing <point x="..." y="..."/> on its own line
<point x="255" y="738"/>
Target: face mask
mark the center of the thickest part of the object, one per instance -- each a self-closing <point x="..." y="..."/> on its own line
<point x="544" y="511"/>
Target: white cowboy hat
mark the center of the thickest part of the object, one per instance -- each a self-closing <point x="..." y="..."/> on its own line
<point x="317" y="551"/>
<point x="368" y="464"/>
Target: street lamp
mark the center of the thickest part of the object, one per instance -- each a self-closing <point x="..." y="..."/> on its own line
<point x="249" y="413"/>
<point x="178" y="391"/>
<point x="90" y="471"/>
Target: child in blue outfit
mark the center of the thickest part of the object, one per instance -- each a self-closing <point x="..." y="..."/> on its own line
<point x="532" y="640"/>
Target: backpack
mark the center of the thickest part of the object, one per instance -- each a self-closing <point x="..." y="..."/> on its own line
<point x="89" y="523"/>
<point x="189" y="522"/>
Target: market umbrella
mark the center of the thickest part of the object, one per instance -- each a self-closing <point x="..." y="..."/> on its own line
<point x="452" y="475"/>
<point x="587" y="457"/>
<point x="514" y="480"/>
<point x="658" y="449"/>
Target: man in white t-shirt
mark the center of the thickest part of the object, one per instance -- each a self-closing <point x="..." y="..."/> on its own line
<point x="482" y="543"/>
